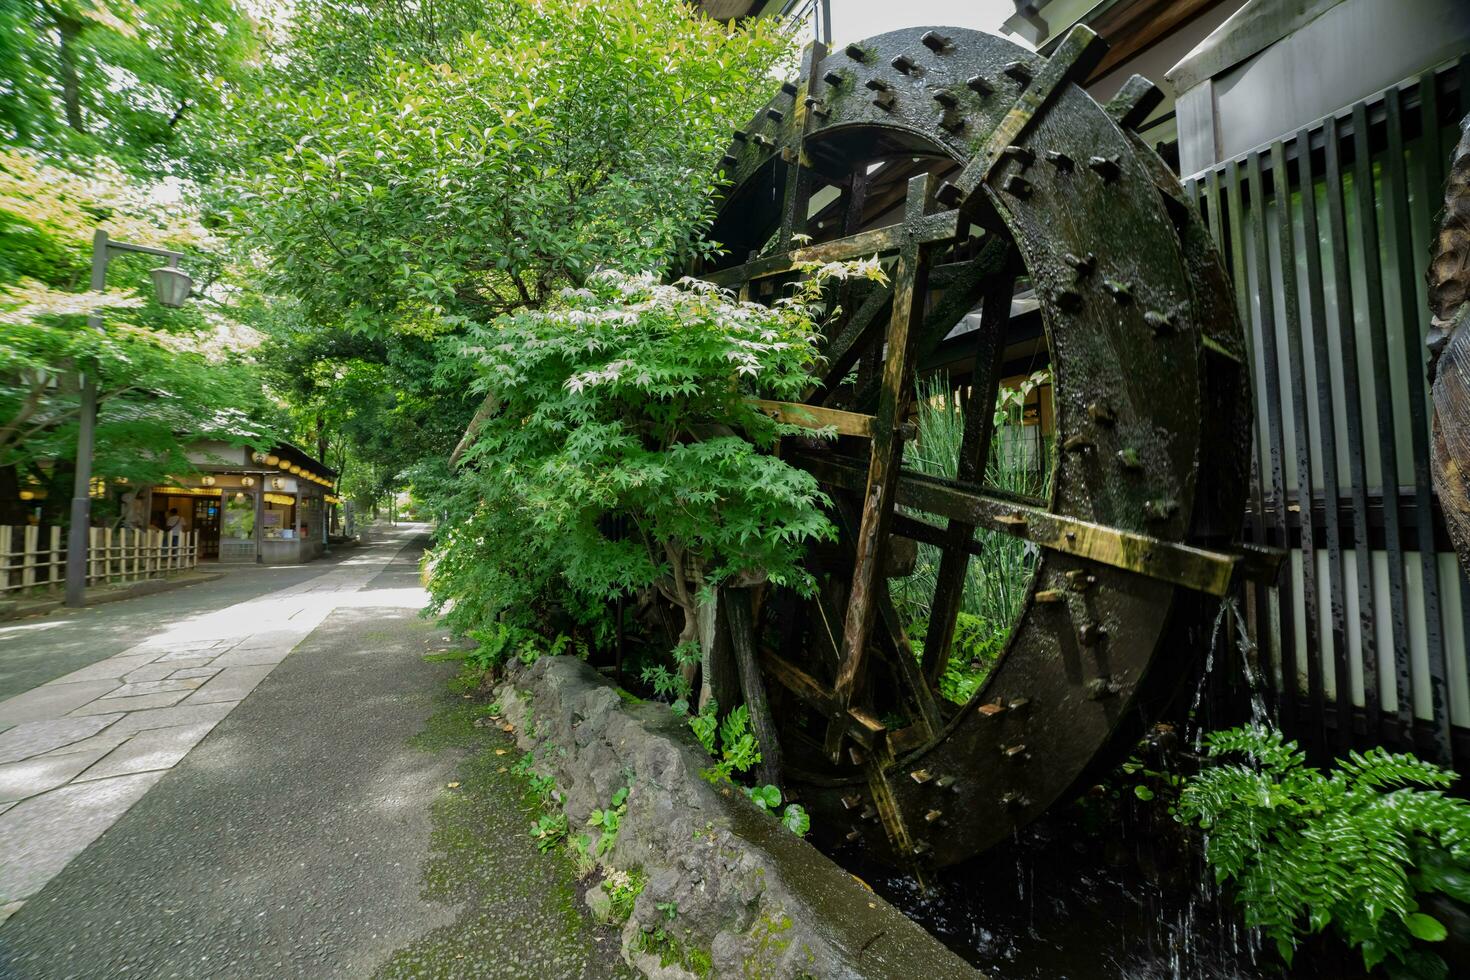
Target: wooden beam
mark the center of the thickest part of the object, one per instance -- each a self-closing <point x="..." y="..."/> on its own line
<point x="815" y="417"/>
<point x="1075" y="57"/>
<point x="739" y="618"/>
<point x="918" y="691"/>
<point x="876" y="241"/>
<point x="909" y="295"/>
<point x="954" y="562"/>
<point x="1205" y="571"/>
<point x="862" y="727"/>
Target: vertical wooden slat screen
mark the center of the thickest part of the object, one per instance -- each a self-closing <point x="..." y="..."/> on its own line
<point x="1326" y="233"/>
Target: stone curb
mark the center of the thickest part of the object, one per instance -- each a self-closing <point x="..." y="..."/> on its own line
<point x="25" y="609"/>
<point x="757" y="899"/>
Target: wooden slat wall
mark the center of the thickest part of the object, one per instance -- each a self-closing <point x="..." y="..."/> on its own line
<point x="1326" y="233"/>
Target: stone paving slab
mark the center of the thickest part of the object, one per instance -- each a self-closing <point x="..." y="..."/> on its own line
<point x="116" y="666"/>
<point x="77" y="751"/>
<point x="152" y="687"/>
<point x="37" y="737"/>
<point x="51" y="701"/>
<point x="103" y="705"/>
<point x="20" y="780"/>
<point x="41" y="835"/>
<point x="157" y="748"/>
<point x="230" y="684"/>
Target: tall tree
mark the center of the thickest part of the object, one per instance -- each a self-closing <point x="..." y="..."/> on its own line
<point x="124" y="77"/>
<point x="411" y="169"/>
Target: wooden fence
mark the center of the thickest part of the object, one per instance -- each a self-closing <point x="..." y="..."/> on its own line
<point x="1326" y="233"/>
<point x="34" y="557"/>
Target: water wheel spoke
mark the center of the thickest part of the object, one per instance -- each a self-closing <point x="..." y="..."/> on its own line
<point x="909" y="289"/>
<point x="916" y="689"/>
<point x="979" y="427"/>
<point x="962" y="292"/>
<point x="1200" y="569"/>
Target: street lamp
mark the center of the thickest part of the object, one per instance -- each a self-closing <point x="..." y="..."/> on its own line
<point x="171" y="286"/>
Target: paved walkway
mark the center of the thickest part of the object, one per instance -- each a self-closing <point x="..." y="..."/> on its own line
<point x="347" y="819"/>
<point x="79" y="750"/>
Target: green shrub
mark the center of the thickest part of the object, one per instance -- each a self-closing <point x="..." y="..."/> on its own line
<point x="626" y="403"/>
<point x="1351" y="849"/>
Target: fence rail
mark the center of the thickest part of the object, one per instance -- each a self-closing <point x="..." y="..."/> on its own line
<point x="34" y="557"/>
<point x="1326" y="234"/>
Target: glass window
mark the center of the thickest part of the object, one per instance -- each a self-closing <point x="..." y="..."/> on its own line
<point x="239" y="519"/>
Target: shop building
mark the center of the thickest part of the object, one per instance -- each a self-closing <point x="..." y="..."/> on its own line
<point x="248" y="506"/>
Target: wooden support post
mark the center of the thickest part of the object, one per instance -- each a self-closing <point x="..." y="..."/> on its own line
<point x="54" y="563"/>
<point x="910" y="281"/>
<point x="954" y="562"/>
<point x="736" y="606"/>
<point x="28" y="546"/>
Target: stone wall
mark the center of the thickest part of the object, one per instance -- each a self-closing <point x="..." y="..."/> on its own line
<point x="758" y="900"/>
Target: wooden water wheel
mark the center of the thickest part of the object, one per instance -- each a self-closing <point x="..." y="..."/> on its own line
<point x="990" y="183"/>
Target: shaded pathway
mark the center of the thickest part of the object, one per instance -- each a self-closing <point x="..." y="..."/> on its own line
<point x="34" y="651"/>
<point x="294" y="840"/>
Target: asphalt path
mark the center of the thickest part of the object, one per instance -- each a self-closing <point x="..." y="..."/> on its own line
<point x="300" y="837"/>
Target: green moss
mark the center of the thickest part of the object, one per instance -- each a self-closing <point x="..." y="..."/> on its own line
<point x="453" y="726"/>
<point x="628" y="696"/>
<point x="769" y="945"/>
<point x="515" y="911"/>
<point x="671" y="950"/>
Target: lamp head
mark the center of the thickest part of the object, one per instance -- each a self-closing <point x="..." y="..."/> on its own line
<point x="171" y="286"/>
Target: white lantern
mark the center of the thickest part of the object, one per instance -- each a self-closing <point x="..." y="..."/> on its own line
<point x="278" y="483"/>
<point x="208" y="481"/>
<point x="259" y="458"/>
<point x="247" y="481"/>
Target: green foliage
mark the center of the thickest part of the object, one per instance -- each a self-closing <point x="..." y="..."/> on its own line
<point x="134" y="79"/>
<point x="475" y="173"/>
<point x="706" y="726"/>
<point x="1351" y="849"/>
<point x="627" y="401"/>
<point x="165" y="377"/>
<point x="500" y="642"/>
<point x="607" y="821"/>
<point x="624" y="887"/>
<point x="996" y="580"/>
<point x="738" y="749"/>
<point x="795" y="819"/>
<point x="549" y="830"/>
<point x="668" y="683"/>
<point x="768" y="798"/>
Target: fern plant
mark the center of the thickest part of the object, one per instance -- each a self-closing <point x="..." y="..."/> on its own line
<point x="1351" y="849"/>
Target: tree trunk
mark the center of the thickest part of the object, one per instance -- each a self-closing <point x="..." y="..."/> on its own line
<point x="70" y="32"/>
<point x="12" y="511"/>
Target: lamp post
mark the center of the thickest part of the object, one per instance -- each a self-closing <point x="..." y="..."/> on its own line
<point x="171" y="286"/>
